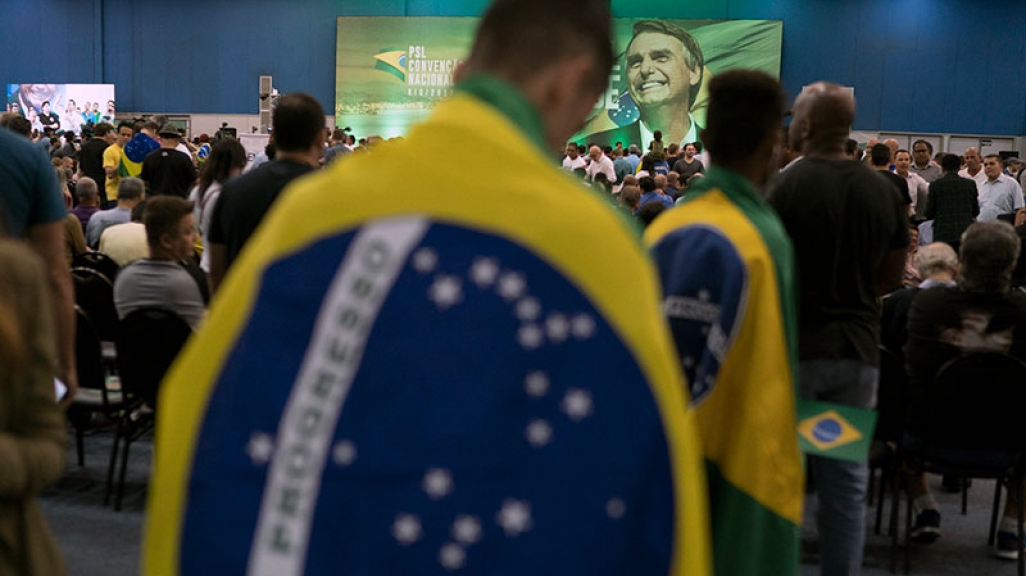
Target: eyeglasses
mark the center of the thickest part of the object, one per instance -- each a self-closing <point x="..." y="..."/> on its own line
<point x="921" y="150"/>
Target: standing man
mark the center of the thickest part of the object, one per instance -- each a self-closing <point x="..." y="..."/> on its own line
<point x="727" y="271"/>
<point x="600" y="164"/>
<point x="1000" y="194"/>
<point x="923" y="165"/>
<point x="880" y="159"/>
<point x="167" y="170"/>
<point x="33" y="207"/>
<point x="298" y="131"/>
<point x="90" y="157"/>
<point x="973" y="167"/>
<point x="689" y="165"/>
<point x="112" y="157"/>
<point x="573" y="159"/>
<point x="918" y="188"/>
<point x="952" y="203"/>
<point x="850" y="235"/>
<point x="561" y="464"/>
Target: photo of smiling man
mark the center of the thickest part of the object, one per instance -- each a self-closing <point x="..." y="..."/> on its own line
<point x="664" y="69"/>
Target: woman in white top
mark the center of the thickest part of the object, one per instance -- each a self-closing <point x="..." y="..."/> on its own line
<point x="227" y="159"/>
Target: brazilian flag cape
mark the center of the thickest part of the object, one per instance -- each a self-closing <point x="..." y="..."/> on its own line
<point x="470" y="375"/>
<point x="133" y="154"/>
<point x="727" y="269"/>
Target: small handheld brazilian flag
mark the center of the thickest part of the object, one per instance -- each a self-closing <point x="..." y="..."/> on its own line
<point x="835" y="431"/>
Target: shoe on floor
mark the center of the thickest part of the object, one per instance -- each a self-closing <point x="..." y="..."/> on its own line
<point x="1008" y="546"/>
<point x="926" y="527"/>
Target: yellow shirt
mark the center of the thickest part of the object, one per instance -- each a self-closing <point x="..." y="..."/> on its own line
<point x="112" y="159"/>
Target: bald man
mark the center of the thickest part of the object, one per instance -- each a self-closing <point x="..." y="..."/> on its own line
<point x="973" y="167"/>
<point x="600" y="164"/>
<point x="842" y="270"/>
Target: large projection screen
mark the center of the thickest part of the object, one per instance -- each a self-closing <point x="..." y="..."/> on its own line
<point x="390" y="71"/>
<point x="71" y="105"/>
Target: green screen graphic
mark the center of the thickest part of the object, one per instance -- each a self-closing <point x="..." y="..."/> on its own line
<point x="391" y="71"/>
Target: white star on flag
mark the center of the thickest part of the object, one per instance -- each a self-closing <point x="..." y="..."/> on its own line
<point x="512" y="285"/>
<point x="703" y="295"/>
<point x="452" y="556"/>
<point x="577" y="404"/>
<point x="514" y="517"/>
<point x="466" y="530"/>
<point x="484" y="271"/>
<point x="445" y="292"/>
<point x="539" y="433"/>
<point x="616" y="508"/>
<point x="689" y="361"/>
<point x="437" y="483"/>
<point x="557" y="327"/>
<point x="425" y="260"/>
<point x="528" y="309"/>
<point x="406" y="529"/>
<point x="583" y="326"/>
<point x="530" y="336"/>
<point x="344" y="453"/>
<point x="536" y="384"/>
<point x="260" y="448"/>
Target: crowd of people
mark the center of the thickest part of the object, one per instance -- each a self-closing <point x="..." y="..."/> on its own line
<point x="773" y="264"/>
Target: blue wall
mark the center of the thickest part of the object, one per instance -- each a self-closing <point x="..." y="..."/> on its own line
<point x="917" y="65"/>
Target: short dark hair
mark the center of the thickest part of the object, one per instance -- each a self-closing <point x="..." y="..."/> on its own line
<point x="151" y="126"/>
<point x="298" y="122"/>
<point x="137" y="211"/>
<point x="102" y="129"/>
<point x="693" y="56"/>
<point x="16" y="123"/>
<point x="929" y="146"/>
<point x="950" y="163"/>
<point x="649" y="211"/>
<point x="520" y="38"/>
<point x="162" y="215"/>
<point x="745" y="108"/>
<point x="647" y="183"/>
<point x="126" y="124"/>
<point x="880" y="155"/>
<point x="851" y="146"/>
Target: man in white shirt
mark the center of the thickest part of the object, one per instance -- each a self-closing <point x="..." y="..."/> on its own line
<point x="600" y="164"/>
<point x="999" y="193"/>
<point x="973" y="168"/>
<point x="573" y="160"/>
<point x="918" y="188"/>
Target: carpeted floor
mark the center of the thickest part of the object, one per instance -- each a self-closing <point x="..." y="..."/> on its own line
<point x="97" y="541"/>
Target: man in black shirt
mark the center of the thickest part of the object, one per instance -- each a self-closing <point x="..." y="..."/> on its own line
<point x="166" y="170"/>
<point x="880" y="159"/>
<point x="298" y="125"/>
<point x="850" y="236"/>
<point x="90" y="159"/>
<point x="953" y="203"/>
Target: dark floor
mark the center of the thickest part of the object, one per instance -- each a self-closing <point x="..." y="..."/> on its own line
<point x="100" y="542"/>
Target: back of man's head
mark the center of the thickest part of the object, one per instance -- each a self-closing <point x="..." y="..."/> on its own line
<point x="102" y="129"/>
<point x="298" y="122"/>
<point x="672" y="179"/>
<point x="647" y="183"/>
<point x="950" y="163"/>
<point x="162" y="216"/>
<point x="130" y="189"/>
<point x="989" y="253"/>
<point x="633" y="149"/>
<point x="338" y="135"/>
<point x="660" y="181"/>
<point x="518" y="39"/>
<point x="880" y="155"/>
<point x="936" y="258"/>
<point x="745" y="109"/>
<point x="138" y="210"/>
<point x="630" y="196"/>
<point x="16" y="123"/>
<point x="86" y="190"/>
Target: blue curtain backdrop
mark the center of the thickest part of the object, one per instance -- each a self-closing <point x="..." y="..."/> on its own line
<point x="917" y="65"/>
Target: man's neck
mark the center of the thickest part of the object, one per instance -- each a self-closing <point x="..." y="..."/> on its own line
<point x="297" y="156"/>
<point x="924" y="167"/>
<point x="674" y="125"/>
<point x="902" y="174"/>
<point x="883" y="168"/>
<point x="972" y="172"/>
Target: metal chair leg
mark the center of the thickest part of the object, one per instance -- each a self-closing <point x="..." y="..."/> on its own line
<point x="872" y="485"/>
<point x="113" y="461"/>
<point x="892" y="524"/>
<point x="908" y="534"/>
<point x="124" y="471"/>
<point x="965" y="496"/>
<point x="79" y="445"/>
<point x="994" y="512"/>
<point x="885" y="472"/>
<point x="1022" y="515"/>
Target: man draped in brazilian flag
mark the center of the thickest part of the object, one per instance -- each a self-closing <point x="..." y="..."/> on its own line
<point x="727" y="269"/>
<point x="470" y="376"/>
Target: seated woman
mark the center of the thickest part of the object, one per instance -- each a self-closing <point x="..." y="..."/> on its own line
<point x="981" y="314"/>
<point x="32" y="430"/>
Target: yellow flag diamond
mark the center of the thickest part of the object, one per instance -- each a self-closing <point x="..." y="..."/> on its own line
<point x="828" y="430"/>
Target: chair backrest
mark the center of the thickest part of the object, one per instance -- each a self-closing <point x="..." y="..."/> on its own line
<point x="88" y="353"/>
<point x="891" y="398"/>
<point x="94" y="293"/>
<point x="147" y="344"/>
<point x="976" y="402"/>
<point x="98" y="261"/>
